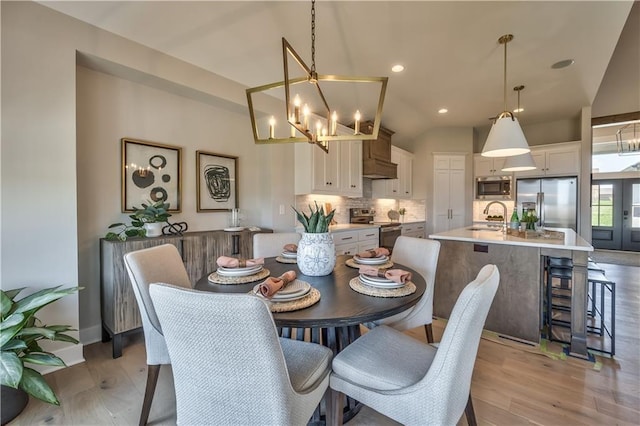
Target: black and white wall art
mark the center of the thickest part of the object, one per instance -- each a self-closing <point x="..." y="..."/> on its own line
<point x="151" y="172"/>
<point x="217" y="183"/>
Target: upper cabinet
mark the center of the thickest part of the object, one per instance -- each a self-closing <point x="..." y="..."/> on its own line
<point x="402" y="186"/>
<point x="338" y="172"/>
<point x="488" y="166"/>
<point x="561" y="159"/>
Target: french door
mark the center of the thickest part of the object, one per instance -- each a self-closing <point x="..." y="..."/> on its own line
<point x="615" y="214"/>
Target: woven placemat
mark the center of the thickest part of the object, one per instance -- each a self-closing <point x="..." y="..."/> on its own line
<point x="215" y="278"/>
<point x="310" y="299"/>
<point x="282" y="259"/>
<point x="356" y="285"/>
<point x="354" y="264"/>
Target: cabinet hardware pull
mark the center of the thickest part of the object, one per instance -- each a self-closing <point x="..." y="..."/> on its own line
<point x="347" y="238"/>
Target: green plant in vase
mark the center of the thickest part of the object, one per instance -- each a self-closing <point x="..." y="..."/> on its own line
<point x="316" y="255"/>
<point x="530" y="219"/>
<point x="318" y="222"/>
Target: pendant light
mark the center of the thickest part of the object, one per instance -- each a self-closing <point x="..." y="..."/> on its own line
<point x="505" y="137"/>
<point x="523" y="162"/>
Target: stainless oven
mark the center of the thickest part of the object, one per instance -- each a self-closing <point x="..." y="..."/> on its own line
<point x="494" y="188"/>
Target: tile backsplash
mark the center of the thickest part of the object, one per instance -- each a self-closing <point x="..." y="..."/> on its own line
<point x="415" y="209"/>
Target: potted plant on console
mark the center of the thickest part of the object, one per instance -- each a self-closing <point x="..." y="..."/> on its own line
<point x="20" y="334"/>
<point x="316" y="249"/>
<point x="152" y="216"/>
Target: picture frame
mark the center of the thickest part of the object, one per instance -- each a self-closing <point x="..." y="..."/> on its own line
<point x="151" y="172"/>
<point x="216" y="182"/>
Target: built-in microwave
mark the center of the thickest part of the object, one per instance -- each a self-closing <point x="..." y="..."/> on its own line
<point x="494" y="188"/>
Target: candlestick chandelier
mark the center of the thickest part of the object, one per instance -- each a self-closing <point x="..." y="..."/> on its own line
<point x="310" y="103"/>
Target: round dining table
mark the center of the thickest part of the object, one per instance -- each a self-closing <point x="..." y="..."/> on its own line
<point x="334" y="321"/>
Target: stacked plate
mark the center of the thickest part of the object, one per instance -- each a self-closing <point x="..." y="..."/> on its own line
<point x="289" y="254"/>
<point x="238" y="272"/>
<point x="379" y="282"/>
<point x="293" y="291"/>
<point x="371" y="260"/>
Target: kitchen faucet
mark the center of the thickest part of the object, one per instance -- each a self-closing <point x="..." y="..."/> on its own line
<point x="504" y="215"/>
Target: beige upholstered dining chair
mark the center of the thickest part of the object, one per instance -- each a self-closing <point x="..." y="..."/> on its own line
<point x="271" y="244"/>
<point x="422" y="256"/>
<point x="156" y="264"/>
<point x="412" y="382"/>
<point x="230" y="367"/>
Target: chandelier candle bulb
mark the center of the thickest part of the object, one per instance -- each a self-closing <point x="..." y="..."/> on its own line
<point x="305" y="112"/>
<point x="357" y="124"/>
<point x="293" y="129"/>
<point x="319" y="128"/>
<point x="272" y="127"/>
<point x="334" y="123"/>
<point x="296" y="109"/>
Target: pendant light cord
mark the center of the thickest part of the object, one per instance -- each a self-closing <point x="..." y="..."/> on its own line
<point x="313" y="37"/>
<point x="505" y="76"/>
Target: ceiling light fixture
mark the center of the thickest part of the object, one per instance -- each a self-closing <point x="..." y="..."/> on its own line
<point x="310" y="103"/>
<point x="397" y="68"/>
<point x="562" y="64"/>
<point x="628" y="139"/>
<point x="522" y="162"/>
<point x="505" y="137"/>
<point x="443" y="111"/>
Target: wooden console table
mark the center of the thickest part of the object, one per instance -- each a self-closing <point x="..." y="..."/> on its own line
<point x="199" y="251"/>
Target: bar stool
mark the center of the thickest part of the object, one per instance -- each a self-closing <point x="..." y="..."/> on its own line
<point x="597" y="278"/>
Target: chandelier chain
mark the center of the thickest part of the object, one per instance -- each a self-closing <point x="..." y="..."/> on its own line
<point x="313" y="36"/>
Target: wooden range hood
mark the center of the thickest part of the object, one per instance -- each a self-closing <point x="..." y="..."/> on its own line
<point x="376" y="154"/>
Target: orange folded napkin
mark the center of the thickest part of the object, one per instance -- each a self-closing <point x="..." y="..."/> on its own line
<point x="272" y="285"/>
<point x="291" y="248"/>
<point x="376" y="252"/>
<point x="233" y="262"/>
<point x="399" y="276"/>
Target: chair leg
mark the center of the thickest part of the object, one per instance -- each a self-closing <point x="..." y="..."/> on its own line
<point x="471" y="415"/>
<point x="429" y="330"/>
<point x="334" y="410"/>
<point x="152" y="379"/>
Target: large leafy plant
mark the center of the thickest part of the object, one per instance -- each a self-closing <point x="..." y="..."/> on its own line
<point x="318" y="222"/>
<point x="148" y="213"/>
<point x="20" y="332"/>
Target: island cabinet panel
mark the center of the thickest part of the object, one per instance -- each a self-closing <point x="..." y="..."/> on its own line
<point x="199" y="251"/>
<point x="516" y="308"/>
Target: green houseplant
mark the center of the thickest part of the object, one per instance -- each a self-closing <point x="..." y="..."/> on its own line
<point x="316" y="255"/>
<point x="20" y="333"/>
<point x="145" y="221"/>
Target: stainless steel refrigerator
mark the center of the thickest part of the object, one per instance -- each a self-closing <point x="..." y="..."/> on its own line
<point x="556" y="200"/>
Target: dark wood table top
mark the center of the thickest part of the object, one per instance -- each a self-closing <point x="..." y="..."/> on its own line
<point x="339" y="305"/>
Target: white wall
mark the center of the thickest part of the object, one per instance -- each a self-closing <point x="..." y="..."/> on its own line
<point x="49" y="227"/>
<point x="441" y="140"/>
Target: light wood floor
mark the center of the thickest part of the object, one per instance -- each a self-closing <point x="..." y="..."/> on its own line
<point x="511" y="385"/>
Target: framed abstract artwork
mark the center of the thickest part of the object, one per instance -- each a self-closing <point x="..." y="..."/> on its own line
<point x="217" y="182"/>
<point x="150" y="172"/>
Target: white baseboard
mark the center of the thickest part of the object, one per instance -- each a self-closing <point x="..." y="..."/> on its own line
<point x="71" y="355"/>
<point x="91" y="335"/>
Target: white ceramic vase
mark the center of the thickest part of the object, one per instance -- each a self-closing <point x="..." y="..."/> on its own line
<point x="154" y="229"/>
<point x="316" y="254"/>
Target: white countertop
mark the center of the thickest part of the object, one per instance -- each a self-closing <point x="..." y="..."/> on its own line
<point x="572" y="241"/>
<point x="351" y="227"/>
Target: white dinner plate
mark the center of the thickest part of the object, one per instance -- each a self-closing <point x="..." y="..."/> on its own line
<point x="379" y="284"/>
<point x="238" y="272"/>
<point x="293" y="291"/>
<point x="234" y="229"/>
<point x="371" y="260"/>
<point x="289" y="255"/>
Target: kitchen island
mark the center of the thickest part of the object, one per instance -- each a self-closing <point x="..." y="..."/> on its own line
<point x="517" y="309"/>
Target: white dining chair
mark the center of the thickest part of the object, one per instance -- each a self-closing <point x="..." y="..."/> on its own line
<point x="230" y="367"/>
<point x="271" y="244"/>
<point x="420" y="255"/>
<point x="155" y="264"/>
<point x="412" y="382"/>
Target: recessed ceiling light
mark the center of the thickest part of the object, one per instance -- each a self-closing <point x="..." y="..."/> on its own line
<point x="397" y="68"/>
<point x="562" y="64"/>
<point x="518" y="110"/>
<point x="443" y="111"/>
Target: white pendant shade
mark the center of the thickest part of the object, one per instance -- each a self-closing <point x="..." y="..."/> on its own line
<point x="519" y="163"/>
<point x="505" y="139"/>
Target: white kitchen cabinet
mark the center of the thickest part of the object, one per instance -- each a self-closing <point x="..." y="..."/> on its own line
<point x="350" y="176"/>
<point x="448" y="192"/>
<point x="415" y="230"/>
<point x="402" y="187"/>
<point x="368" y="239"/>
<point x="355" y="241"/>
<point x="561" y="159"/>
<point x="488" y="166"/>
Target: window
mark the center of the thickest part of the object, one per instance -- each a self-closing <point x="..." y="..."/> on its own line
<point x="602" y="205"/>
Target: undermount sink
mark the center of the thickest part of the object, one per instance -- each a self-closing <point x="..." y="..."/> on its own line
<point x="482" y="228"/>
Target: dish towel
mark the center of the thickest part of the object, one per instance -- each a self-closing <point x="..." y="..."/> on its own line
<point x="376" y="252"/>
<point x="291" y="248"/>
<point x="399" y="276"/>
<point x="233" y="262"/>
<point x="272" y="285"/>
